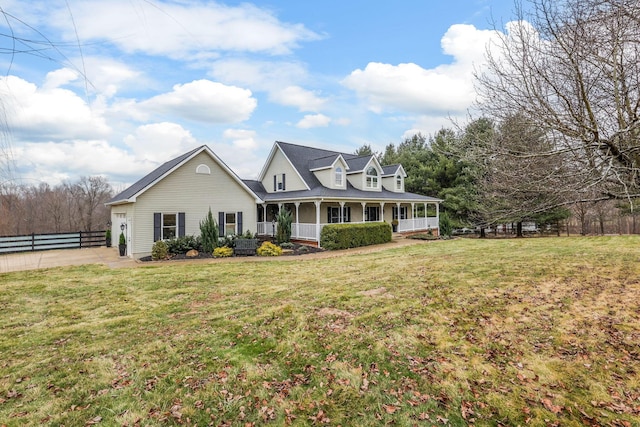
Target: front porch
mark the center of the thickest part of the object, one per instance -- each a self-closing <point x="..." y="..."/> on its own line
<point x="410" y="217"/>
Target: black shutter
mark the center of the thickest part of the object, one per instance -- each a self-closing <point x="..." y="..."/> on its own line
<point x="157" y="218"/>
<point x="181" y="224"/>
<point x="275" y="182"/>
<point x="283" y="183"/>
<point x="221" y="224"/>
<point x="239" y="221"/>
<point x="328" y="214"/>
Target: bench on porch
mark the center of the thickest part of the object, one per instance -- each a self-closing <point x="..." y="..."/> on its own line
<point x="245" y="246"/>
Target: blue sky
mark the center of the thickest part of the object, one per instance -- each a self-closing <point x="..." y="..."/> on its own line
<point x="133" y="83"/>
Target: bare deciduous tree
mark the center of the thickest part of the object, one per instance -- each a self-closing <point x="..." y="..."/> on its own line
<point x="573" y="68"/>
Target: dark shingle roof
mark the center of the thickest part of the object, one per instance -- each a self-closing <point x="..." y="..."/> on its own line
<point x="306" y="158"/>
<point x="357" y="164"/>
<point x="323" y="162"/>
<point x="151" y="177"/>
<point x="390" y="170"/>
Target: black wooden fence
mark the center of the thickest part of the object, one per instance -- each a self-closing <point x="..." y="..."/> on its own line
<point x="43" y="242"/>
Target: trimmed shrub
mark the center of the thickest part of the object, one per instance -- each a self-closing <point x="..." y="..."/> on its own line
<point x="182" y="245"/>
<point x="159" y="250"/>
<point x="344" y="236"/>
<point x="222" y="252"/>
<point x="269" y="249"/>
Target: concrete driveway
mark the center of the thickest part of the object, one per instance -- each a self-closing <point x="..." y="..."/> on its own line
<point x="61" y="257"/>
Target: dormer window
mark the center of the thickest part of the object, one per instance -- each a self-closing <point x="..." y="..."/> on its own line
<point x="279" y="182"/>
<point x="399" y="182"/>
<point x="372" y="177"/>
<point x="339" y="177"/>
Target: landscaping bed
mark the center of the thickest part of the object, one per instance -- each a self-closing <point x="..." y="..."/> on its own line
<point x="297" y="249"/>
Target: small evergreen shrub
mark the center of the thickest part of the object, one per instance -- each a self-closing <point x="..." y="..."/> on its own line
<point x="446" y="227"/>
<point x="287" y="245"/>
<point x="344" y="236"/>
<point x="222" y="252"/>
<point x="159" y="250"/>
<point x="283" y="231"/>
<point x="209" y="233"/>
<point x="269" y="249"/>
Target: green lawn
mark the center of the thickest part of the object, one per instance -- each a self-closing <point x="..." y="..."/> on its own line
<point x="529" y="331"/>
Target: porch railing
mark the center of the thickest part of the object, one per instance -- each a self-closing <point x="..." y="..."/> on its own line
<point x="307" y="231"/>
<point x="417" y="224"/>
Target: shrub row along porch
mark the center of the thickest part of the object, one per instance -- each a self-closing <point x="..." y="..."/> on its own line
<point x="310" y="217"/>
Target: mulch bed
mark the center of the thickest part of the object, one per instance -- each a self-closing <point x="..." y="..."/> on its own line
<point x="296" y="250"/>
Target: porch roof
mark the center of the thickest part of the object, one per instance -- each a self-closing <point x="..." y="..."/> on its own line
<point x="350" y="194"/>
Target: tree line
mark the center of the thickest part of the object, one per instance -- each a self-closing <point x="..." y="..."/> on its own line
<point x="559" y="132"/>
<point x="67" y="207"/>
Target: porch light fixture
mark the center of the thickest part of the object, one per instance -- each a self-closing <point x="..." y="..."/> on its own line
<point x="123" y="226"/>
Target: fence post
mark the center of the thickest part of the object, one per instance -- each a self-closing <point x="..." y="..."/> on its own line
<point x="33" y="242"/>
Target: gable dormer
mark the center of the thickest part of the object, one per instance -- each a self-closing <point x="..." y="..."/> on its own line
<point x="365" y="173"/>
<point x="331" y="171"/>
<point x="279" y="173"/>
<point x="393" y="178"/>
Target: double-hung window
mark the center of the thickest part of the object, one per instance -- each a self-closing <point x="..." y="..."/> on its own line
<point x="371" y="177"/>
<point x="169" y="226"/>
<point x="339" y="177"/>
<point x="229" y="223"/>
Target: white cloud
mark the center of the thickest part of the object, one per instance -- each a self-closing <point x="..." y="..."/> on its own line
<point x="411" y="88"/>
<point x="45" y="161"/>
<point x="296" y="96"/>
<point x="204" y="101"/>
<point x="261" y="75"/>
<point x="178" y="29"/>
<point x="49" y="112"/>
<point x="106" y="76"/>
<point x="159" y="142"/>
<point x="314" y="121"/>
<point x="242" y="139"/>
<point x="281" y="80"/>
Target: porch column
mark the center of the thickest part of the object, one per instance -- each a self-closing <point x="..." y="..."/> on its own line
<point x="317" y="203"/>
<point x="280" y="207"/>
<point x="263" y="227"/>
<point x="381" y="212"/>
<point x="413" y="216"/>
<point x="297" y="234"/>
<point x="426" y="216"/>
<point x="364" y="204"/>
<point x="438" y="217"/>
<point x="341" y="212"/>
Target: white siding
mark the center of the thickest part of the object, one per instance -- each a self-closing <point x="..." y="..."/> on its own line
<point x="279" y="165"/>
<point x="191" y="193"/>
<point x="389" y="183"/>
<point x="327" y="177"/>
